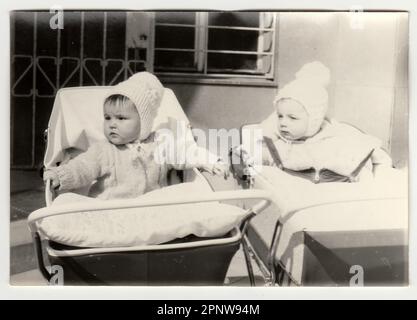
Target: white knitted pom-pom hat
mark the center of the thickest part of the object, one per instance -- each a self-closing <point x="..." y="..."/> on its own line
<point x="145" y="91"/>
<point x="309" y="89"/>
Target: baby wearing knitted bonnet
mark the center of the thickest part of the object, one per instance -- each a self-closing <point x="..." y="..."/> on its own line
<point x="301" y="140"/>
<point x="126" y="164"/>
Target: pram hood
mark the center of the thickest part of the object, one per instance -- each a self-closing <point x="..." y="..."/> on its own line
<point x="76" y="120"/>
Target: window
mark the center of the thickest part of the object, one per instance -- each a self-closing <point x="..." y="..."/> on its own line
<point x="215" y="44"/>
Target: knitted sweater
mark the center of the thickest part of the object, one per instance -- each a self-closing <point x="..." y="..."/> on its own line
<point x="337" y="147"/>
<point x="128" y="171"/>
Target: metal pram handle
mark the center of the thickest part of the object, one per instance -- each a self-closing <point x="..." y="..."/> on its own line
<point x="49" y="193"/>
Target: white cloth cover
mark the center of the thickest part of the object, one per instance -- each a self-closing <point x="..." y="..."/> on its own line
<point x="140" y="226"/>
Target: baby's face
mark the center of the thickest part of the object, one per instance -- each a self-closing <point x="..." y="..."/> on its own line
<point x="292" y="119"/>
<point x="121" y="123"/>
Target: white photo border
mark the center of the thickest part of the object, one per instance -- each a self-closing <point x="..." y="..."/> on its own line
<point x="278" y="293"/>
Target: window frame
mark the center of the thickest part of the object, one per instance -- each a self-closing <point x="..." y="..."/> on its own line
<point x="201" y="43"/>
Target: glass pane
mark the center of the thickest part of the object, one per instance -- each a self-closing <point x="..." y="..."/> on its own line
<point x="46" y="41"/>
<point x="234" y="19"/>
<point x="71" y="35"/>
<point x="136" y="54"/>
<point x="22" y="65"/>
<point x="268" y="19"/>
<point x="268" y="41"/>
<point x="93" y="34"/>
<point x="174" y="37"/>
<point x="137" y="66"/>
<point x="116" y="35"/>
<point x="175" y="17"/>
<point x="169" y="60"/>
<point x="22" y="139"/>
<point x="234" y="63"/>
<point x="23" y="25"/>
<point x="236" y="40"/>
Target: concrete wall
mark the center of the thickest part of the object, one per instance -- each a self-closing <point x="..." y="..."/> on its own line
<point x="399" y="137"/>
<point x="368" y="58"/>
<point x="219" y="106"/>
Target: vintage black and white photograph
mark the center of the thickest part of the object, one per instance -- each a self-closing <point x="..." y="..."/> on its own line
<point x="209" y="148"/>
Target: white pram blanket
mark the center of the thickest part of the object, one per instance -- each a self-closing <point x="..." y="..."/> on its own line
<point x="141" y="226"/>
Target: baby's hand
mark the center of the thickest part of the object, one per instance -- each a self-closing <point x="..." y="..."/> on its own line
<point x="51" y="175"/>
<point x="221" y="168"/>
<point x="237" y="150"/>
<point x="244" y="156"/>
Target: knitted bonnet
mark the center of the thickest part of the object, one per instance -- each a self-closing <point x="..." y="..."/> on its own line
<point x="309" y="89"/>
<point x="145" y="91"/>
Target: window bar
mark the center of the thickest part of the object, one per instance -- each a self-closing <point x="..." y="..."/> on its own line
<point x="35" y="40"/>
<point x="58" y="59"/>
<point x="73" y="71"/>
<point x="150" y="54"/>
<point x="205" y="35"/>
<point x="241" y="52"/>
<point x="261" y="29"/>
<point x="274" y="43"/>
<point x="236" y="71"/>
<point x="175" y="50"/>
<point x="82" y="50"/>
<point x="48" y="80"/>
<point x="160" y="24"/>
<point x="121" y="70"/>
<point x="28" y="68"/>
<point x="126" y="50"/>
<point x="197" y="42"/>
<point x="88" y="72"/>
<point x="239" y="77"/>
<point x="261" y="39"/>
<point x="103" y="63"/>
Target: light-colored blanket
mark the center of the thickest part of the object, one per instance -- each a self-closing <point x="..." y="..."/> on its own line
<point x="143" y="226"/>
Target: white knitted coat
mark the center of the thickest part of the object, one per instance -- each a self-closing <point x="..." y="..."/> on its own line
<point x="337" y="147"/>
<point x="127" y="171"/>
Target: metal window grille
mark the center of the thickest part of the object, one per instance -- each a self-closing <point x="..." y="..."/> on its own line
<point x="30" y="72"/>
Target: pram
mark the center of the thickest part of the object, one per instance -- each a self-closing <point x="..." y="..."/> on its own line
<point x="74" y="124"/>
<point x="331" y="234"/>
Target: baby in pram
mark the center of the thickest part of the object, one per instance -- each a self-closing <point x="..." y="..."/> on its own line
<point x="134" y="160"/>
<point x="300" y="140"/>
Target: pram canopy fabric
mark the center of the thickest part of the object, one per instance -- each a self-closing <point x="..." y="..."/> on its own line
<point x="76" y="120"/>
